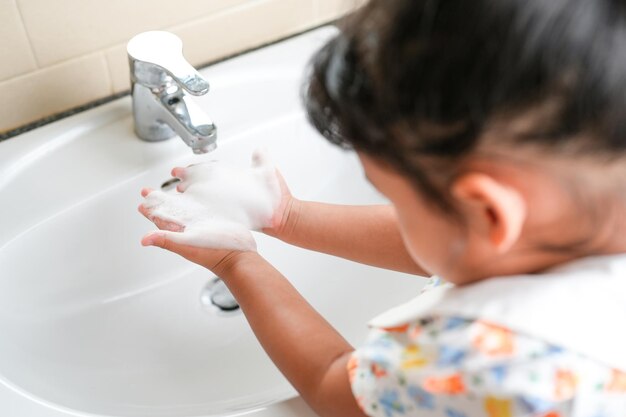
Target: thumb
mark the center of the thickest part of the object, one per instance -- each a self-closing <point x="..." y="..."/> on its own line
<point x="168" y="240"/>
<point x="157" y="238"/>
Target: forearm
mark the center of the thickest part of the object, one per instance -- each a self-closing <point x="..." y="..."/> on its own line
<point x="302" y="344"/>
<point x="365" y="234"/>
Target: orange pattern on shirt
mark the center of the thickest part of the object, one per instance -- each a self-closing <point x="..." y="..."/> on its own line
<point x="378" y="371"/>
<point x="493" y="340"/>
<point x="397" y="329"/>
<point x="618" y="382"/>
<point x="565" y="384"/>
<point x="452" y="384"/>
<point x="496" y="407"/>
<point x="412" y="357"/>
<point x="414" y="332"/>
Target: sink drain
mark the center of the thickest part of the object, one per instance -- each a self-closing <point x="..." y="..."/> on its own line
<point x="217" y="297"/>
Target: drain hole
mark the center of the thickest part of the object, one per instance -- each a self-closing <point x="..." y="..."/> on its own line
<point x="170" y="184"/>
<point x="217" y="296"/>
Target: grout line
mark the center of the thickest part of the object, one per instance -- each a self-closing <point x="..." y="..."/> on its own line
<point x="167" y="26"/>
<point x="28" y="37"/>
<point x="108" y="71"/>
<point x="219" y="14"/>
<point x="53" y="66"/>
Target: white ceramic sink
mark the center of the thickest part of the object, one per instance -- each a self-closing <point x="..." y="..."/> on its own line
<point x="91" y="323"/>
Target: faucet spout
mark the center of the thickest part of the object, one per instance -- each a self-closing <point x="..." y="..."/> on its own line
<point x="192" y="124"/>
<point x="161" y="79"/>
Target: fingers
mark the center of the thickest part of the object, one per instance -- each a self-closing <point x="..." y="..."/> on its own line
<point x="188" y="175"/>
<point x="182" y="186"/>
<point x="179" y="172"/>
<point x="147" y="211"/>
<point x="168" y="225"/>
<point x="143" y="210"/>
<point x="160" y="223"/>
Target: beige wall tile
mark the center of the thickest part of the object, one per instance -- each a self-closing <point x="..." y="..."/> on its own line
<point x="53" y="90"/>
<point x="63" y="29"/>
<point x="17" y="57"/>
<point x="80" y="45"/>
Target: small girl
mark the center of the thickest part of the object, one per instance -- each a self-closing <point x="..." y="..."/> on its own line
<point x="497" y="129"/>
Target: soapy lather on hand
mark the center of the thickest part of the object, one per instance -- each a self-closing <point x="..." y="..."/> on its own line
<point x="217" y="204"/>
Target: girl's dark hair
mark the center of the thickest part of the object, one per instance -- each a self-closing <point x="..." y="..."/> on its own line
<point x="418" y="83"/>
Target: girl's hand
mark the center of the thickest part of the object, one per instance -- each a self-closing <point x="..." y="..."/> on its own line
<point x="216" y="260"/>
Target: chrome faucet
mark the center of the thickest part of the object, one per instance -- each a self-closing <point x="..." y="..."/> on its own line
<point x="160" y="76"/>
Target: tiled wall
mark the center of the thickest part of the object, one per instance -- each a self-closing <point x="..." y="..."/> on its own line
<point x="60" y="54"/>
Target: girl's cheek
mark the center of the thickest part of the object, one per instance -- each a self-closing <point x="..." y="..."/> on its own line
<point x="432" y="241"/>
<point x="423" y="242"/>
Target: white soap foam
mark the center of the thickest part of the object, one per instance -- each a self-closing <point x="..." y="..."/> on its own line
<point x="220" y="203"/>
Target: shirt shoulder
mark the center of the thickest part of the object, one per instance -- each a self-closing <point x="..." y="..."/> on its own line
<point x="562" y="305"/>
<point x="455" y="367"/>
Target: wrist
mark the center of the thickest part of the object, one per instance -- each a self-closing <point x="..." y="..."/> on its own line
<point x="230" y="264"/>
<point x="289" y="220"/>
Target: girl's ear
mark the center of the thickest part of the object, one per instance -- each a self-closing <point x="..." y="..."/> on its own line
<point x="499" y="208"/>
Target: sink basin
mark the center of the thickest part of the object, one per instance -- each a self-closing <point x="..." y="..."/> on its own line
<point x="94" y="324"/>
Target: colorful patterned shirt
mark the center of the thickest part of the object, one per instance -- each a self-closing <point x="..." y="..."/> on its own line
<point x="456" y="367"/>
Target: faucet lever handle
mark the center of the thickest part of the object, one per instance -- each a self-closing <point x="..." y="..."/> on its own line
<point x="157" y="56"/>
